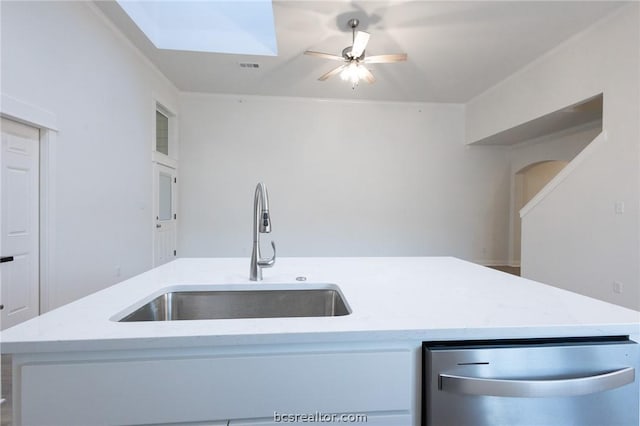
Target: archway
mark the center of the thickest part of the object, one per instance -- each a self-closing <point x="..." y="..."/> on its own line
<point x="529" y="180"/>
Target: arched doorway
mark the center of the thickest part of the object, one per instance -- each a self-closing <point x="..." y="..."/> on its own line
<point x="528" y="181"/>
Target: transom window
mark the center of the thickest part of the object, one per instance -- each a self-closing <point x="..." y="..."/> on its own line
<point x="162" y="133"/>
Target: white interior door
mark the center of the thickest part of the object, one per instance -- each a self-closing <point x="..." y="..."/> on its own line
<point x="19" y="223"/>
<point x="165" y="214"/>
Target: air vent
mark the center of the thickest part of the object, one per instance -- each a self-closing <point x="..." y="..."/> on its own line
<point x="249" y="65"/>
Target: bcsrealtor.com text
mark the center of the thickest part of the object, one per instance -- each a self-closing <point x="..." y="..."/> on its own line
<point x="319" y="417"/>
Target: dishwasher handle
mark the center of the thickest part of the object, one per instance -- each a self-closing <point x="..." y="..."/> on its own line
<point x="533" y="388"/>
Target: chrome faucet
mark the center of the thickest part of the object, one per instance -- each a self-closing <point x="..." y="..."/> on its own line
<point x="261" y="225"/>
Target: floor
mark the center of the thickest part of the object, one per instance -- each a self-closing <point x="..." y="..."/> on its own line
<point x="5" y="407"/>
<point x="515" y="270"/>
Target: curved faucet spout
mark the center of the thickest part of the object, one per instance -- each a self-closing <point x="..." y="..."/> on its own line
<point x="261" y="225"/>
<point x="268" y="263"/>
<point x="261" y="210"/>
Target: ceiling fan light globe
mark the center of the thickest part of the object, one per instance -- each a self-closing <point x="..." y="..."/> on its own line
<point x="361" y="71"/>
<point x="351" y="73"/>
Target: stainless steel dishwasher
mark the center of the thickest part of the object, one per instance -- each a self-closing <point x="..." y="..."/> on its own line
<point x="537" y="382"/>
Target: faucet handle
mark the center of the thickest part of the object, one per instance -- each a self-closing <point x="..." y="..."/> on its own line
<point x="267" y="263"/>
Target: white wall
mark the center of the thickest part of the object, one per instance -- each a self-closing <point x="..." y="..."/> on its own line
<point x="536" y="176"/>
<point x="345" y="179"/>
<point x="562" y="146"/>
<point x="573" y="238"/>
<point x="527" y="184"/>
<point x="63" y="57"/>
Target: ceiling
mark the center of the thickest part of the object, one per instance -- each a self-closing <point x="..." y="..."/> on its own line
<point x="456" y="49"/>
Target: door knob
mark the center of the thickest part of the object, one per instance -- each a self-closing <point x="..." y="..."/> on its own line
<point x="158" y="225"/>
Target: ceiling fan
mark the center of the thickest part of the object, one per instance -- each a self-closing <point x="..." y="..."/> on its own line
<point x="354" y="58"/>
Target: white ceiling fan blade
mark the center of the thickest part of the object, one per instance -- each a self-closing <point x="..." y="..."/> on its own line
<point x="382" y="59"/>
<point x="360" y="43"/>
<point x="367" y="76"/>
<point x="331" y="73"/>
<point x="324" y="55"/>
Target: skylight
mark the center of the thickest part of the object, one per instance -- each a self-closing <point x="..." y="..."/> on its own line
<point x="223" y="26"/>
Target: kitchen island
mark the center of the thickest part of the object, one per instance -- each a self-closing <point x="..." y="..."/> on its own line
<point x="79" y="365"/>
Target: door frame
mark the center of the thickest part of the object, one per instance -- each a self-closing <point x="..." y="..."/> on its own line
<point x="45" y="121"/>
<point x="161" y="104"/>
<point x="156" y="166"/>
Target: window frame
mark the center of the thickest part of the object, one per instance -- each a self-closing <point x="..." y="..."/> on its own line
<point x="171" y="158"/>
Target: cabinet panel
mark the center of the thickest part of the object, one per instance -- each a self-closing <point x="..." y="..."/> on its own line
<point x="214" y="388"/>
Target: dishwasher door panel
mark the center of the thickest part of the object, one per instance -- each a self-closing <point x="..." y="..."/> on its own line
<point x="529" y="383"/>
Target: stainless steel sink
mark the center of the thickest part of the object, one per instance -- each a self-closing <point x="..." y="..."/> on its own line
<point x="227" y="304"/>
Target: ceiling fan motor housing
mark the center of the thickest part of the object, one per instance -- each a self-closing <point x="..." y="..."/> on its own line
<point x="346" y="54"/>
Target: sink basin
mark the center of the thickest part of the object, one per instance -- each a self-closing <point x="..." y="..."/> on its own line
<point x="227" y="304"/>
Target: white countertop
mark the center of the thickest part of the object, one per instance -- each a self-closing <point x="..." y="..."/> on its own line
<point x="392" y="299"/>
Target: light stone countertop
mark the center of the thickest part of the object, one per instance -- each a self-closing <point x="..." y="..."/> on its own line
<point x="391" y="298"/>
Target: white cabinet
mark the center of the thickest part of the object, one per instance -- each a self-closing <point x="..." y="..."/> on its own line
<point x="134" y="389"/>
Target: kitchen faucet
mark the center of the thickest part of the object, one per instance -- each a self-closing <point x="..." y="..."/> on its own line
<point x="261" y="225"/>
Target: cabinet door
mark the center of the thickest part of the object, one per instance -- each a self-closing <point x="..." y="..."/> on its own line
<point x="234" y="386"/>
<point x="387" y="419"/>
